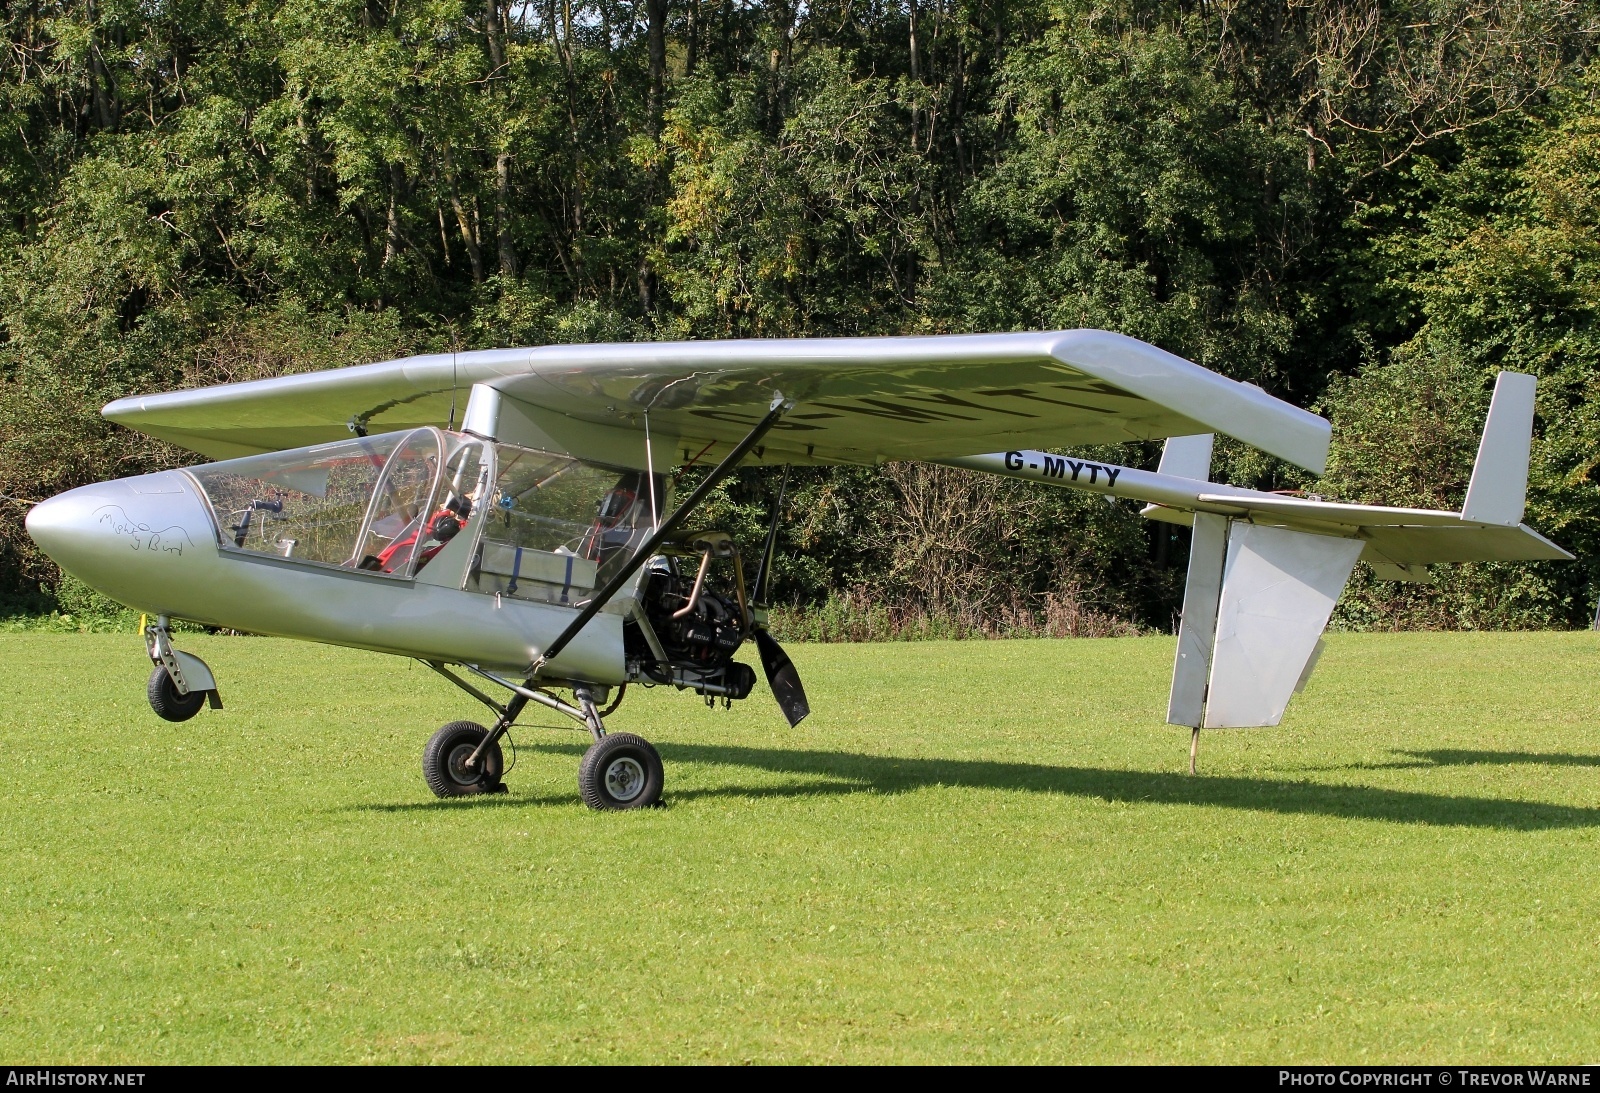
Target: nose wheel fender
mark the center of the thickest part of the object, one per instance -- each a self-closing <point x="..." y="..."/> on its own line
<point x="181" y="682"/>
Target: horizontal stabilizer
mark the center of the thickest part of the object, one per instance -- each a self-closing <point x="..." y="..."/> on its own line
<point x="1403" y="574"/>
<point x="1328" y="512"/>
<point x="1404" y="537"/>
<point x="1398" y="540"/>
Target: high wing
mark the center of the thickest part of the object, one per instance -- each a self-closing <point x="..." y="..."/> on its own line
<point x="858" y="400"/>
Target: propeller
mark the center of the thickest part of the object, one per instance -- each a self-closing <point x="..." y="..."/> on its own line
<point x="783" y="679"/>
<point x="781" y="674"/>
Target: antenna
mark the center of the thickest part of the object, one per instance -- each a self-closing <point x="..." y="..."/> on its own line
<point x="453" y="387"/>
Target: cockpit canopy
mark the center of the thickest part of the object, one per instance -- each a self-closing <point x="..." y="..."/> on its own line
<point x="388" y="504"/>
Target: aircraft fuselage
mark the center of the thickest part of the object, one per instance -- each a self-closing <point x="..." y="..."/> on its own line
<point x="153" y="543"/>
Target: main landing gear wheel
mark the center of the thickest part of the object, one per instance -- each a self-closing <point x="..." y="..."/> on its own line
<point x="620" y="772"/>
<point x="167" y="702"/>
<point x="444" y="761"/>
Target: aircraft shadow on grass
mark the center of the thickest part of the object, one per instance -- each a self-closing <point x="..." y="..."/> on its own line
<point x="847" y="772"/>
<point x="1449" y="757"/>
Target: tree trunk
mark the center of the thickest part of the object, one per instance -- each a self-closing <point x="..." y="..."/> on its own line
<point x="569" y="70"/>
<point x="692" y="32"/>
<point x="99" y="78"/>
<point x="916" y="63"/>
<point x="958" y="106"/>
<point x="468" y="226"/>
<point x="502" y="214"/>
<point x="494" y="31"/>
<point x="916" y="70"/>
<point x="391" y="233"/>
<point x="656" y="11"/>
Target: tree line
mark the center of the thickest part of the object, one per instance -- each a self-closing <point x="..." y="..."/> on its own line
<point x="1367" y="207"/>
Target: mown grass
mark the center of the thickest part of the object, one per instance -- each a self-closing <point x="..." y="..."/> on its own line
<point x="972" y="851"/>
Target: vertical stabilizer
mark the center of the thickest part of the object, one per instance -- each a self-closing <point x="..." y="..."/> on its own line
<point x="1278" y="589"/>
<point x="1187" y="457"/>
<point x="1197" y="633"/>
<point x="1499" y="487"/>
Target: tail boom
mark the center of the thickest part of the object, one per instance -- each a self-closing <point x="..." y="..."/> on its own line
<point x="1266" y="569"/>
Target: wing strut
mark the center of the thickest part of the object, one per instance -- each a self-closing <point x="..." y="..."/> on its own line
<point x="775" y="412"/>
<point x="764" y="572"/>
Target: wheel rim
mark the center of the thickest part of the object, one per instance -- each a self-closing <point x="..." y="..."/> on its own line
<point x="460" y="773"/>
<point x="170" y="685"/>
<point x="624" y="778"/>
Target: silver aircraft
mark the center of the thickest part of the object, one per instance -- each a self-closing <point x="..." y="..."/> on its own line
<point x="511" y="518"/>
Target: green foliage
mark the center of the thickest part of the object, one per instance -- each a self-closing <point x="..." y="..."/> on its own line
<point x="1345" y="207"/>
<point x="81" y="604"/>
<point x="1507" y="283"/>
<point x="818" y="231"/>
<point x="1139" y="193"/>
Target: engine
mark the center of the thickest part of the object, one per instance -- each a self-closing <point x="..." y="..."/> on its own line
<point x="698" y="625"/>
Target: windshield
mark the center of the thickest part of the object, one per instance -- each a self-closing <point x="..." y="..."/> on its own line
<point x="560" y="526"/>
<point x="386" y="504"/>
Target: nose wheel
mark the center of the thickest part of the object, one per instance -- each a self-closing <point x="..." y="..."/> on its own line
<point x="449" y="765"/>
<point x="165" y="700"/>
<point x="180" y="683"/>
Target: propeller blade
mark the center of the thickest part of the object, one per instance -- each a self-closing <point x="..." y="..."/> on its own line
<point x="783" y="679"/>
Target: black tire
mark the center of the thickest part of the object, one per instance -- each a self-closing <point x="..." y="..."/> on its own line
<point x="447" y="751"/>
<point x="621" y="772"/>
<point x="167" y="702"/>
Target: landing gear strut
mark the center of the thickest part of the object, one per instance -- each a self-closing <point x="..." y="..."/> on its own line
<point x="180" y="683"/>
<point x="617" y="773"/>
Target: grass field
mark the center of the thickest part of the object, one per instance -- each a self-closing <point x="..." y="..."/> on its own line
<point x="972" y="851"/>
